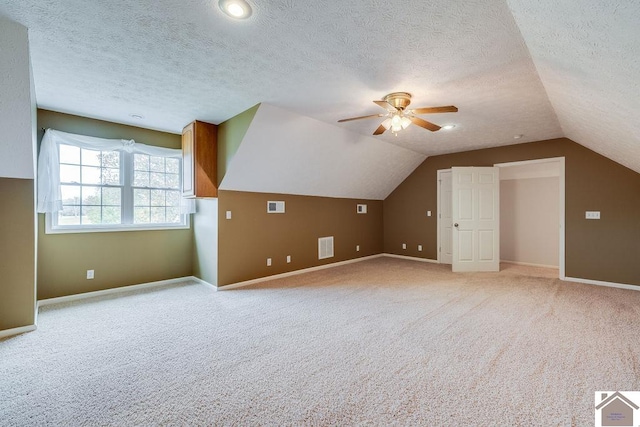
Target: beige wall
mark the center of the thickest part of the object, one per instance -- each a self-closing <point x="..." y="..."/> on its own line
<point x="530" y="221"/>
<point x="605" y="250"/>
<point x="118" y="258"/>
<point x="17" y="253"/>
<point x="253" y="235"/>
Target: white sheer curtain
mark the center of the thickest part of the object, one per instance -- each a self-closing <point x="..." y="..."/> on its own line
<point x="49" y="194"/>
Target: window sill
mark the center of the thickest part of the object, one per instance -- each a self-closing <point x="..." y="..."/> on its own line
<point x="160" y="227"/>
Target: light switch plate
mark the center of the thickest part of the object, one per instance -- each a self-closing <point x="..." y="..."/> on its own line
<point x="357" y="248"/>
<point x="288" y="259"/>
<point x="228" y="214"/>
<point x="428" y="213"/>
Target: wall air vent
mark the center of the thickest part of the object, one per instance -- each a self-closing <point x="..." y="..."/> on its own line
<point x="325" y="247"/>
<point x="275" y="207"/>
<point x="361" y="209"/>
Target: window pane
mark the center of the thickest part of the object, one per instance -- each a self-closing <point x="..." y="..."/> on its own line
<point x="93" y="188"/>
<point x="69" y="154"/>
<point x="173" y="215"/>
<point x="173" y="198"/>
<point x="141" y="162"/>
<point x="69" y="173"/>
<point x="141" y="197"/>
<point x="91" y="196"/>
<point x="157" y="215"/>
<point x="173" y="181"/>
<point x="90" y="157"/>
<point x="69" y="215"/>
<point x="70" y="194"/>
<point x="91" y="215"/>
<point x="157" y="198"/>
<point x="90" y="175"/>
<point x="110" y="159"/>
<point x="111" y="176"/>
<point x="157" y="179"/>
<point x="111" y="196"/>
<point x="140" y="179"/>
<point x="173" y="165"/>
<point x="111" y="215"/>
<point x="140" y="215"/>
<point x="157" y="164"/>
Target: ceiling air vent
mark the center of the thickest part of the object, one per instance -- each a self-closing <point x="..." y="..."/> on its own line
<point x="325" y="247"/>
<point x="275" y="207"/>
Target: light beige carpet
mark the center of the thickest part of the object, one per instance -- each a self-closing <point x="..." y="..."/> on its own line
<point x="381" y="342"/>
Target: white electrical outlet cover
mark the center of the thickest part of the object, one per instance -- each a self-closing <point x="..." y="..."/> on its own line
<point x="228" y="214"/>
<point x="288" y="258"/>
<point x="404" y="246"/>
<point x="268" y="262"/>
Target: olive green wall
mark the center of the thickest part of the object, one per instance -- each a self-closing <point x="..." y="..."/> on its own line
<point x="252" y="235"/>
<point x="606" y="250"/>
<point x="230" y="134"/>
<point x="17" y="253"/>
<point x="118" y="258"/>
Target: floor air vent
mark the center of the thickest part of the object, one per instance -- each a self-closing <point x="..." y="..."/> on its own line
<point x="325" y="247"/>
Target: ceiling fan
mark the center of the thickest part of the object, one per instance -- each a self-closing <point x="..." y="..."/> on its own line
<point x="398" y="117"/>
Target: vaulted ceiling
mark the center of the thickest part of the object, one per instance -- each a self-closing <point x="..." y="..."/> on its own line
<point x="541" y="69"/>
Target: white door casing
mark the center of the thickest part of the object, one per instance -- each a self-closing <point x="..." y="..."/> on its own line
<point x="445" y="220"/>
<point x="476" y="218"/>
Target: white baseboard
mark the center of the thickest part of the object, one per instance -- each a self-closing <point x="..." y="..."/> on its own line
<point x="295" y="273"/>
<point x="412" y="258"/>
<point x="17" y="331"/>
<point x="602" y="283"/>
<point x="118" y="290"/>
<point x="528" y="264"/>
<point x="202" y="282"/>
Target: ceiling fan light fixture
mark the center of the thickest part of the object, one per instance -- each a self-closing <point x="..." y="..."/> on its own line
<point x="387" y="123"/>
<point x="448" y="127"/>
<point x="405" y="122"/>
<point x="237" y="9"/>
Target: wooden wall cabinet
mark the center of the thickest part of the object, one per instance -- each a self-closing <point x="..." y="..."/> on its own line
<point x="199" y="160"/>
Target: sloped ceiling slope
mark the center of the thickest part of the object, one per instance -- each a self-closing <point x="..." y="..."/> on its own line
<point x="284" y="152"/>
<point x="587" y="54"/>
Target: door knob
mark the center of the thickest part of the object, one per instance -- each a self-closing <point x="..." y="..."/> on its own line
<point x="455" y="225"/>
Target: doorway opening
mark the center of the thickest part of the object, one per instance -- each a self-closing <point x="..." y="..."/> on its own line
<point x="526" y="233"/>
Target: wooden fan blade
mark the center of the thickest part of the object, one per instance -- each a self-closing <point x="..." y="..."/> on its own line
<point x="386" y="106"/>
<point x="431" y="110"/>
<point x="361" y="117"/>
<point x="424" y="124"/>
<point x="380" y="130"/>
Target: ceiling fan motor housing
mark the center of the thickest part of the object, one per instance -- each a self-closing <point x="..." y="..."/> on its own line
<point x="400" y="100"/>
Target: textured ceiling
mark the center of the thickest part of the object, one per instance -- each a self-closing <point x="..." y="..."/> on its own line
<point x="329" y="161"/>
<point x="174" y="61"/>
<point x="587" y="54"/>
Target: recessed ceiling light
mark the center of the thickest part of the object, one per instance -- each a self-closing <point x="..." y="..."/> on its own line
<point x="518" y="136"/>
<point x="238" y="9"/>
<point x="136" y="116"/>
<point x="448" y="127"/>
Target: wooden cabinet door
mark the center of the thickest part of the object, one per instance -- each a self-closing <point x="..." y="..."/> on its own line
<point x="199" y="160"/>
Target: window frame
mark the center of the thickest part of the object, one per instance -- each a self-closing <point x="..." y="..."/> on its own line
<point x="127" y="165"/>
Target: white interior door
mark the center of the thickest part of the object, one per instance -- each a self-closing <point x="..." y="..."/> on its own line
<point x="445" y="220"/>
<point x="476" y="218"/>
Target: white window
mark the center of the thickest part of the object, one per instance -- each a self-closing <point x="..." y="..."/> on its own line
<point x="115" y="189"/>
